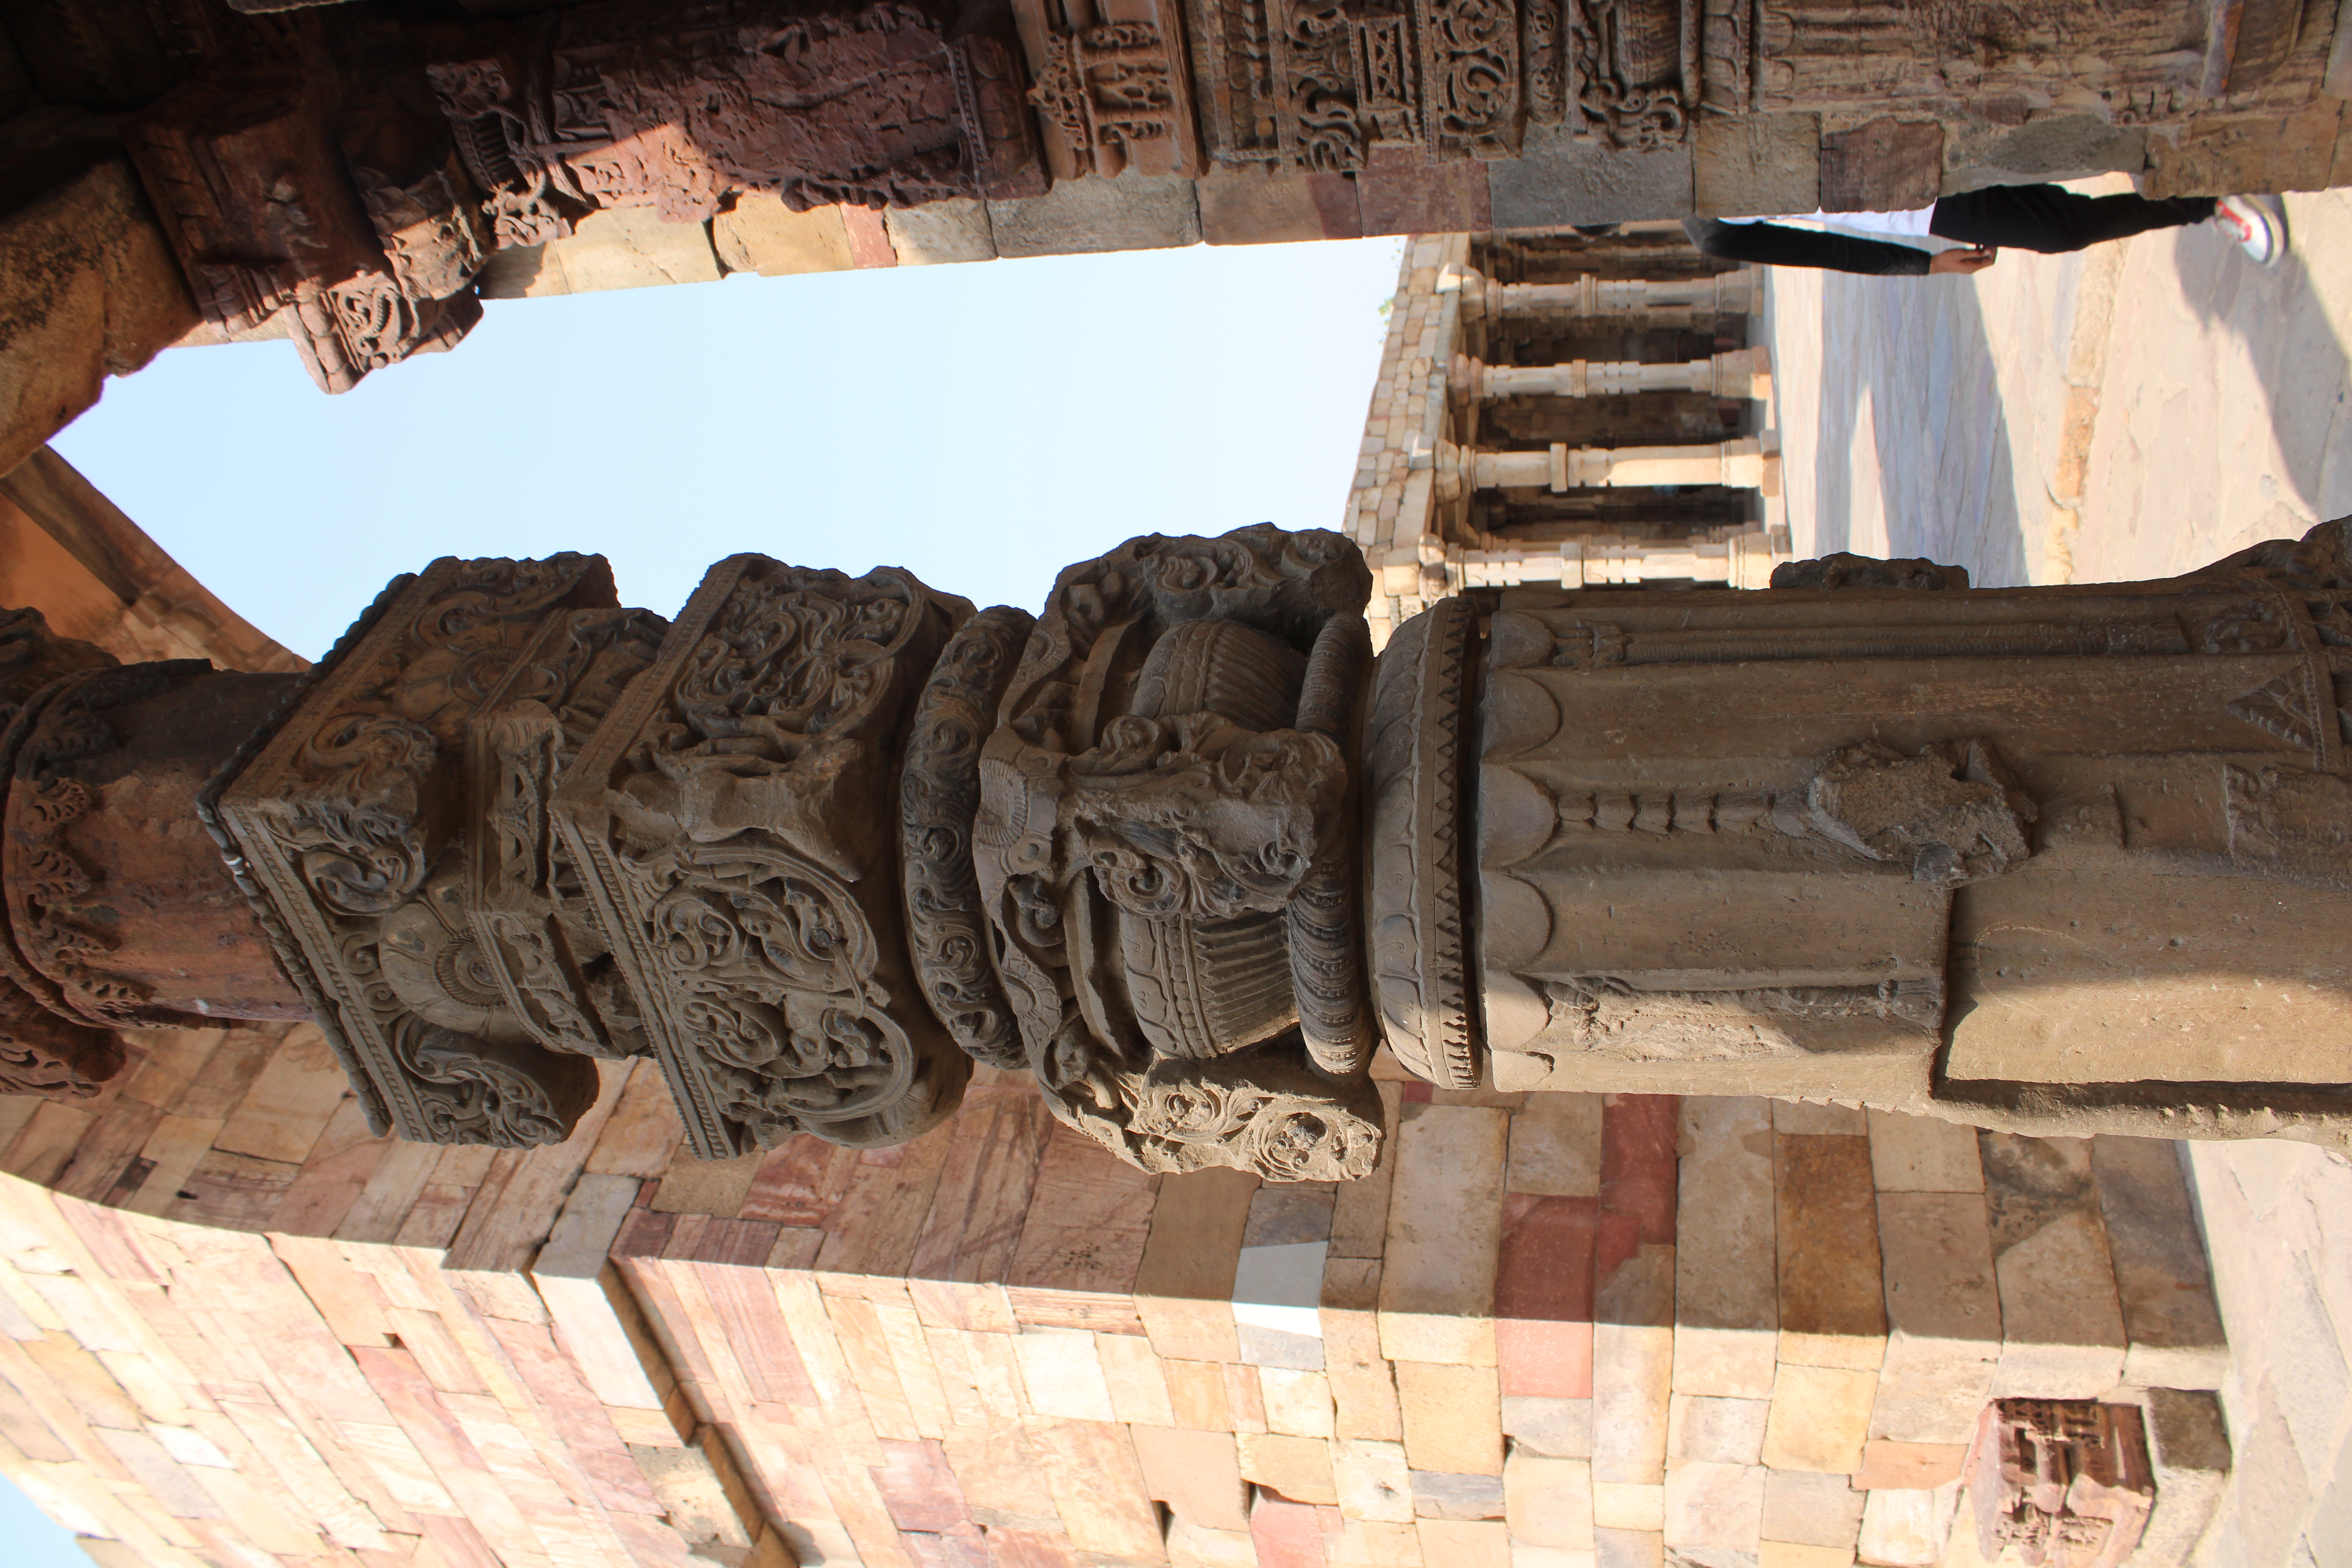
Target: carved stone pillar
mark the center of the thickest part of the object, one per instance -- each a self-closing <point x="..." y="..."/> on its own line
<point x="1738" y="374"/>
<point x="1723" y="294"/>
<point x="1743" y="464"/>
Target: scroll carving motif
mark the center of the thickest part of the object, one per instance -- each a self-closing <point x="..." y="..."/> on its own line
<point x="1118" y="96"/>
<point x="721" y="820"/>
<point x="2067" y="1483"/>
<point x="649" y="105"/>
<point x="1470" y="76"/>
<point x="348" y="826"/>
<point x="1628" y="71"/>
<point x="1163" y="805"/>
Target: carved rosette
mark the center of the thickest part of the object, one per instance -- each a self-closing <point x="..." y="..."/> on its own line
<point x="722" y="819"/>
<point x="1162" y="850"/>
<point x="349" y="828"/>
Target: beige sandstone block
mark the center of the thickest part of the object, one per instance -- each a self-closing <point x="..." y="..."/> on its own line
<point x="615" y="248"/>
<point x="1465" y="1544"/>
<point x="1526" y="1556"/>
<point x="2172" y="1326"/>
<point x="1818" y="1121"/>
<point x="1720" y="1431"/>
<point x="1372" y="1544"/>
<point x="954" y="230"/>
<point x="1063" y="1374"/>
<point x="1922" y="1154"/>
<point x="1555" y="1147"/>
<point x="1918" y="1466"/>
<point x="1788" y="1555"/>
<point x="1944" y="1317"/>
<point x="1908" y="1529"/>
<point x="1296" y="1469"/>
<point x="1714" y="1507"/>
<point x="1820" y="1416"/>
<point x="1726" y="1310"/>
<point x="1633" y="1382"/>
<point x="1373" y="1481"/>
<point x="1832" y="1312"/>
<point x="1446" y="1227"/>
<point x="1547" y="1501"/>
<point x="1617" y="1506"/>
<point x="1452" y="1417"/>
<point x="1629" y="1549"/>
<point x="1196" y="1473"/>
<point x="1560" y="1427"/>
<point x="2061" y="1321"/>
<point x="1808" y="1507"/>
<point x="1190" y="1546"/>
<point x="1296" y="1403"/>
<point x="763" y="235"/>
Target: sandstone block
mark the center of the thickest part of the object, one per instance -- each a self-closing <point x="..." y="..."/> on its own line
<point x="1440" y="1495"/>
<point x="1821" y="1418"/>
<point x="1921" y="1467"/>
<point x="1296" y="1469"/>
<point x="957" y="230"/>
<point x="1905" y="1529"/>
<point x="1452" y="1417"/>
<point x="1446" y="1213"/>
<point x="1629" y="1548"/>
<point x="2216" y="155"/>
<point x="1618" y="1506"/>
<point x="1286" y="1534"/>
<point x="1713" y="1507"/>
<point x="1786" y="1554"/>
<point x="1721" y="1431"/>
<point x="1133" y="212"/>
<point x="1555" y="1147"/>
<point x="1562" y="1428"/>
<point x="1464" y="1543"/>
<point x="1373" y="1481"/>
<point x="1526" y="1556"/>
<point x="759" y="234"/>
<point x="615" y="248"/>
<point x="1922" y="1154"/>
<point x="1193" y="1546"/>
<point x="1548" y="1501"/>
<point x="1063" y="1374"/>
<point x="2062" y="1323"/>
<point x="1399" y="193"/>
<point x="89" y="288"/>
<point x="1197" y="1474"/>
<point x="1757" y="164"/>
<point x="1274" y="1348"/>
<point x="1298" y="1402"/>
<point x="1558" y="179"/>
<point x="1944" y="1316"/>
<point x="2053" y="147"/>
<point x="1817" y="1120"/>
<point x="1833" y="1312"/>
<point x="1726" y="1307"/>
<point x="1363" y="1384"/>
<point x="2189" y="1450"/>
<point x="1887" y="165"/>
<point x="1633" y="1379"/>
<point x="1252" y="206"/>
<point x="1811" y="1507"/>
<point x="2172" y="1326"/>
<point x="1369" y="1543"/>
<point x="1544" y="1360"/>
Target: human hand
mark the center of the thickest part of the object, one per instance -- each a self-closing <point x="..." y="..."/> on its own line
<point x="1976" y="258"/>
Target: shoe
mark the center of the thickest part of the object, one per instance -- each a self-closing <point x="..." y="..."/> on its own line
<point x="2256" y="223"/>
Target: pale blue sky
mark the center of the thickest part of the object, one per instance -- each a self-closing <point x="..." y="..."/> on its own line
<point x="984" y="425"/>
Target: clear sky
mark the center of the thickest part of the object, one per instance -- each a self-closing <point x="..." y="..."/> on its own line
<point x="983" y="424"/>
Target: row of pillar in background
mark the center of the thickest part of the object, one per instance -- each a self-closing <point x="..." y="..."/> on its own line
<point x="1721" y="294"/>
<point x="1750" y="462"/>
<point x="1738" y="374"/>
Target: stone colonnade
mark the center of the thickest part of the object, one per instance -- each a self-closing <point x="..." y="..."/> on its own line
<point x="1629" y="347"/>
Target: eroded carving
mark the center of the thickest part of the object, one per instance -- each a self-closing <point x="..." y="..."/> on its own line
<point x="2064" y="1482"/>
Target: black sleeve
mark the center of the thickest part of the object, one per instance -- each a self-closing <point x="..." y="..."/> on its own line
<point x="1770" y="245"/>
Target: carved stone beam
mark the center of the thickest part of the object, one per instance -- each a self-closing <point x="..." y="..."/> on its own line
<point x="1743" y="464"/>
<point x="1739" y="374"/>
<point x="1723" y="294"/>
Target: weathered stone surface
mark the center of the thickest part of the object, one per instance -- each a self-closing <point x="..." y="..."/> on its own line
<point x="2062" y="1323"/>
<point x="1452" y="1418"/>
<point x="621" y="248"/>
<point x="1767" y="164"/>
<point x="1809" y="1508"/>
<point x="1254" y="206"/>
<point x="1887" y="165"/>
<point x="1924" y="1154"/>
<point x="1832" y="1313"/>
<point x="1133" y="212"/>
<point x="1618" y="1505"/>
<point x="1820" y="1416"/>
<point x="1437" y="1281"/>
<point x="1373" y="1481"/>
<point x="759" y="234"/>
<point x="1399" y="192"/>
<point x="1721" y="1431"/>
<point x="1196" y="1473"/>
<point x="1726" y="1314"/>
<point x="2221" y="154"/>
<point x="1296" y="1469"/>
<point x="1557" y="180"/>
<point x="2188" y="1448"/>
<point x="1633" y="1379"/>
<point x="935" y="232"/>
<point x="1714" y="1507"/>
<point x="2172" y="1326"/>
<point x="1555" y="1147"/>
<point x="1908" y="1529"/>
<point x="1442" y="1495"/>
<point x="2058" y="147"/>
<point x="1943" y="1307"/>
<point x="1562" y="1428"/>
<point x="1915" y="1466"/>
<point x="1629" y="1548"/>
<point x="89" y="288"/>
<point x="1548" y="1501"/>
